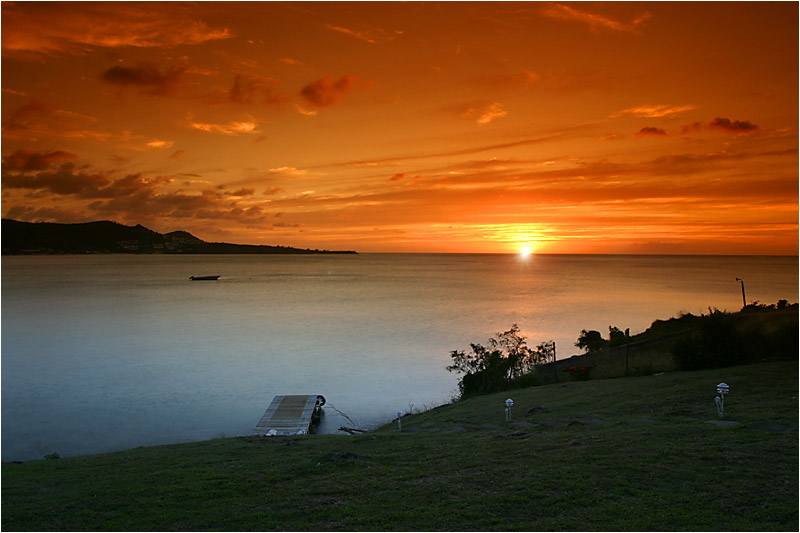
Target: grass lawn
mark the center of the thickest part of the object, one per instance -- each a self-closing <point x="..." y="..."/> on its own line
<point x="614" y="454"/>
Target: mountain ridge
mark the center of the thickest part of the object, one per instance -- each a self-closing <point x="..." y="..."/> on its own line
<point x="103" y="236"/>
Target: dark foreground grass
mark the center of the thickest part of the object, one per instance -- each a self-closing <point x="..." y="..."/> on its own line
<point x="623" y="454"/>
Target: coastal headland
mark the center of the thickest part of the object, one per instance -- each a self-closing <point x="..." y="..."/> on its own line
<point x="111" y="237"/>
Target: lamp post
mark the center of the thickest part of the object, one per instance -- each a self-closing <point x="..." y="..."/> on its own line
<point x="509" y="405"/>
<point x="744" y="300"/>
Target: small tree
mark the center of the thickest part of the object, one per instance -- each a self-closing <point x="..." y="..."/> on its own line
<point x="546" y="352"/>
<point x="591" y="341"/>
<point x="490" y="368"/>
<point x="616" y="336"/>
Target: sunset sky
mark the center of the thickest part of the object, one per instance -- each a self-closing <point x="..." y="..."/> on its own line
<point x="410" y="127"/>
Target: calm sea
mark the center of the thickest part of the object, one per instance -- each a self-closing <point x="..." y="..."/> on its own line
<point x="107" y="352"/>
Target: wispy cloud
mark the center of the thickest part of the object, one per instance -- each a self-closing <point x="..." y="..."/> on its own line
<point x="493" y="111"/>
<point x="593" y="20"/>
<point x="14" y="92"/>
<point x="370" y="34"/>
<point x="52" y="27"/>
<point x="291" y="171"/>
<point x="159" y="144"/>
<point x="393" y="160"/>
<point x="484" y="114"/>
<point x="525" y="78"/>
<point x="306" y="112"/>
<point x="480" y="113"/>
<point x="229" y="128"/>
<point x="655" y="111"/>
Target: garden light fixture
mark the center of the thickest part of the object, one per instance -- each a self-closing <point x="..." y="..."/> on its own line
<point x="509" y="405"/>
<point x="722" y="389"/>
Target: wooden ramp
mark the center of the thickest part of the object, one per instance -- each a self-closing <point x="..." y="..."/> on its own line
<point x="289" y="415"/>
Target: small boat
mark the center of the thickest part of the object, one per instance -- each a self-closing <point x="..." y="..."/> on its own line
<point x="203" y="278"/>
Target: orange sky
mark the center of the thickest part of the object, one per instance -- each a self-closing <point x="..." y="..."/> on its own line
<point x="441" y="127"/>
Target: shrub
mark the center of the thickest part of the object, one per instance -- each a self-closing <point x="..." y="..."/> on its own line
<point x="591" y="341"/>
<point x="716" y="343"/>
<point x="494" y="368"/>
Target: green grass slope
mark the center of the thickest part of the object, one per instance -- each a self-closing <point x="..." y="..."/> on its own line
<point x="614" y="454"/>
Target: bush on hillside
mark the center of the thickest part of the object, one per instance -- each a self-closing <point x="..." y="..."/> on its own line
<point x="593" y="341"/>
<point x="714" y="344"/>
<point x="722" y="339"/>
<point x="498" y="366"/>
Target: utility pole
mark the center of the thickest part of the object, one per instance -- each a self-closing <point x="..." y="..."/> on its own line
<point x="627" y="348"/>
<point x="555" y="366"/>
<point x="744" y="299"/>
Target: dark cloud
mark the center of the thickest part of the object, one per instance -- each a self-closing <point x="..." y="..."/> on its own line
<point x="44" y="214"/>
<point x="27" y="160"/>
<point x="143" y="76"/>
<point x="273" y="191"/>
<point x="242" y="192"/>
<point x="26" y="114"/>
<point x="691" y="128"/>
<point x="719" y="123"/>
<point x="130" y="185"/>
<point x="41" y="171"/>
<point x="254" y="90"/>
<point x="132" y="197"/>
<point x="650" y="130"/>
<point x="147" y="202"/>
<point x="64" y="180"/>
<point x="327" y="91"/>
<point x="735" y="126"/>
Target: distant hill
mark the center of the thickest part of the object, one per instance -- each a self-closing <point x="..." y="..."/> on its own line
<point x="111" y="237"/>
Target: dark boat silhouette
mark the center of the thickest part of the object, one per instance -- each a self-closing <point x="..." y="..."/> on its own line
<point x="203" y="278"/>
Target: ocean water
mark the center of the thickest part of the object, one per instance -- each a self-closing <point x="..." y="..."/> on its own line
<point x="108" y="352"/>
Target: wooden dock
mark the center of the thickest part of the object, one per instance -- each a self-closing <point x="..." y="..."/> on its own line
<point x="290" y="415"/>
